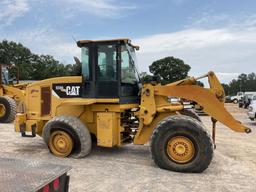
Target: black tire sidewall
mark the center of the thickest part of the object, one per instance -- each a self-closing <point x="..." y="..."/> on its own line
<point x="171" y="129"/>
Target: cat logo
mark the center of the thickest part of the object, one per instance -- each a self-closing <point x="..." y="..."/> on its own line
<point x="67" y="90"/>
<point x="73" y="90"/>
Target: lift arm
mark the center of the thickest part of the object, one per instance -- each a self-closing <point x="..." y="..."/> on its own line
<point x="212" y="99"/>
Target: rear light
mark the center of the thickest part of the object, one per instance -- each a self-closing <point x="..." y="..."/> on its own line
<point x="60" y="184"/>
<point x="56" y="184"/>
<point x="46" y="188"/>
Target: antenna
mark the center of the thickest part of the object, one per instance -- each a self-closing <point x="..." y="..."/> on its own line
<point x="74" y="39"/>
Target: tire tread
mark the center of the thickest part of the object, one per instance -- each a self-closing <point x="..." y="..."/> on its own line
<point x="12" y="107"/>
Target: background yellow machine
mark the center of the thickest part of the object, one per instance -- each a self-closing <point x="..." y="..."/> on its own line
<point x="108" y="104"/>
<point x="11" y="95"/>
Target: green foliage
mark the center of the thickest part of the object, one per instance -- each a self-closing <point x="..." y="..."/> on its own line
<point x="17" y="54"/>
<point x="226" y="88"/>
<point x="244" y="82"/>
<point x="76" y="69"/>
<point x="199" y="83"/>
<point x="32" y="66"/>
<point x="145" y="78"/>
<point x="169" y="69"/>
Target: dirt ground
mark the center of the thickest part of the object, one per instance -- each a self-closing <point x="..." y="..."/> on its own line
<point x="130" y="168"/>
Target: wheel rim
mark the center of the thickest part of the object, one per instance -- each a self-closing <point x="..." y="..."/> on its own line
<point x="2" y="110"/>
<point x="180" y="149"/>
<point x="61" y="144"/>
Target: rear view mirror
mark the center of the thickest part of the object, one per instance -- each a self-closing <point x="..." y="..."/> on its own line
<point x="78" y="62"/>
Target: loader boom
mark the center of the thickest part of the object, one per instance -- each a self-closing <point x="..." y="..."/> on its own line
<point x="155" y="106"/>
<point x="212" y="99"/>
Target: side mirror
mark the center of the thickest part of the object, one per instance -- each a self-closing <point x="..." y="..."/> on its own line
<point x="137" y="48"/>
<point x="78" y="62"/>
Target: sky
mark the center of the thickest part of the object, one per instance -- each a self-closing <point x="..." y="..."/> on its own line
<point x="216" y="35"/>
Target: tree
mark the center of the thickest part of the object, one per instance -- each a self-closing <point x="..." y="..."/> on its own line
<point x="244" y="82"/>
<point x="145" y="78"/>
<point x="45" y="66"/>
<point x="18" y="55"/>
<point x="32" y="66"/>
<point x="169" y="69"/>
<point x="226" y="88"/>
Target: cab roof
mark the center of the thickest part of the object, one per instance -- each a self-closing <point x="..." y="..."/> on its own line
<point x="125" y="40"/>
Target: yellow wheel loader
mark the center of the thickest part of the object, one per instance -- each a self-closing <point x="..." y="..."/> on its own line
<point x="108" y="104"/>
<point x="11" y="96"/>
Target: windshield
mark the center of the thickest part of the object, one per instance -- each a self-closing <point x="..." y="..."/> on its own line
<point x="129" y="70"/>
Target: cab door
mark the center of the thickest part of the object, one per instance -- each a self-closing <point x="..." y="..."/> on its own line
<point x="107" y="84"/>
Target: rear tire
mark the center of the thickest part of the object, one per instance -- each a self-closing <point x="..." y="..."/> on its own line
<point x="8" y="109"/>
<point x="181" y="143"/>
<point x="73" y="128"/>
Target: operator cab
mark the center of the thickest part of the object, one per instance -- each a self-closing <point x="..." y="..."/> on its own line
<point x="109" y="70"/>
<point x="5" y="76"/>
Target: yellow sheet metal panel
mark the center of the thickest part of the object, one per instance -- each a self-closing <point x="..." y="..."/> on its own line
<point x="148" y="105"/>
<point x="14" y="92"/>
<point x="19" y="119"/>
<point x="74" y="79"/>
<point x="73" y="110"/>
<point x="145" y="131"/>
<point x="33" y="102"/>
<point x="107" y="129"/>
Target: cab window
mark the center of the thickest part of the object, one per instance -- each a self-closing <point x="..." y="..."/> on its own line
<point x="107" y="63"/>
<point x="128" y="73"/>
<point x="85" y="63"/>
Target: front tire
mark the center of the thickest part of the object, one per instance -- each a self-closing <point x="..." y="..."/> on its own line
<point x="181" y="143"/>
<point x="190" y="113"/>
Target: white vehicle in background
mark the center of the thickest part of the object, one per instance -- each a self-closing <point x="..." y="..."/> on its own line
<point x="239" y="96"/>
<point x="252" y="110"/>
<point x="253" y="99"/>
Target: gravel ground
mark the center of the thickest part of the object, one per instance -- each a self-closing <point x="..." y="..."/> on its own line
<point x="130" y="168"/>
